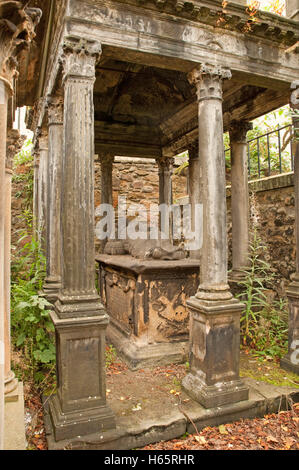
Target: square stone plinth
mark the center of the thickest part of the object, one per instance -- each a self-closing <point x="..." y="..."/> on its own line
<point x="214" y="353"/>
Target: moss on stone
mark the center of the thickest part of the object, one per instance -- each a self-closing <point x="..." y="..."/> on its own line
<point x="266" y="371"/>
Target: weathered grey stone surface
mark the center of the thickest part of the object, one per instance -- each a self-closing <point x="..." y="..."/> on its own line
<point x="54" y="175"/>
<point x="149" y="425"/>
<point x="146" y="301"/>
<point x="239" y="198"/>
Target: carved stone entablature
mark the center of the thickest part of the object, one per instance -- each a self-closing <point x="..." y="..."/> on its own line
<point x="55" y="110"/>
<point x="17" y="24"/>
<point x="79" y="57"/>
<point x="238" y="131"/>
<point x="14" y="144"/>
<point x="208" y="80"/>
<point x="233" y="17"/>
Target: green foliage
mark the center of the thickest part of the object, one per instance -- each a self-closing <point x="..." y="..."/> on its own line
<point x="263" y="323"/>
<point x="25" y="179"/>
<point x="255" y="277"/>
<point x="271" y="339"/>
<point x="32" y="328"/>
<point x="25" y="154"/>
<point x="110" y="355"/>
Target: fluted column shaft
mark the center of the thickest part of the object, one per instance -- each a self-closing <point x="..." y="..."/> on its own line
<point x="194" y="189"/>
<point x="42" y="189"/>
<point x="213" y="272"/>
<point x="165" y="171"/>
<point x="55" y="149"/>
<point x="239" y="198"/>
<point x="79" y="408"/>
<point x="214" y="314"/>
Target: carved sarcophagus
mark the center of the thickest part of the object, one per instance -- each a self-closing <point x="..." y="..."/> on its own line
<point x="146" y="302"/>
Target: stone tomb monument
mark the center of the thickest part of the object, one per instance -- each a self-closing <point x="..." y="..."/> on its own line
<point x="145" y="298"/>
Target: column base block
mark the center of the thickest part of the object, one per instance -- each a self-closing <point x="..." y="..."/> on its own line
<point x="287" y="364"/>
<point x="79" y="423"/>
<point x="51" y="289"/>
<point x="11" y="389"/>
<point x="215" y="395"/>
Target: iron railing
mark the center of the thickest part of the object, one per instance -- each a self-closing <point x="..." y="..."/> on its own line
<point x="269" y="154"/>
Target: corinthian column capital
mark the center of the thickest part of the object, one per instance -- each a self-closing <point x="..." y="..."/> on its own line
<point x="208" y="80"/>
<point x="79" y="57"/>
<point x="238" y="131"/>
<point x="165" y="163"/>
<point x="55" y="110"/>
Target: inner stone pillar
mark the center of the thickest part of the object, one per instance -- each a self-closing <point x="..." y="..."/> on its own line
<point x="35" y="191"/>
<point x="165" y="171"/>
<point x="214" y="313"/>
<point x="291" y="360"/>
<point x="42" y="189"/>
<point x="239" y="198"/>
<point x="55" y="119"/>
<point x="106" y="185"/>
<point x="79" y="408"/>
<point x="194" y="189"/>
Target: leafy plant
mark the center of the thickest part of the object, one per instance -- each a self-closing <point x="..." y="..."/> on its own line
<point x="110" y="355"/>
<point x="271" y="338"/>
<point x="32" y="328"/>
<point x="264" y="323"/>
<point x="253" y="296"/>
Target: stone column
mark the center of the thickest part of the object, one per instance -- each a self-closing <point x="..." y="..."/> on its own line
<point x="55" y="146"/>
<point x="291" y="360"/>
<point x="4" y="92"/>
<point x="106" y="185"/>
<point x="35" y="192"/>
<point x="239" y="198"/>
<point x="79" y="408"/>
<point x="194" y="189"/>
<point x="165" y="170"/>
<point x="215" y="315"/>
<point x="42" y="189"/>
<point x="14" y="143"/>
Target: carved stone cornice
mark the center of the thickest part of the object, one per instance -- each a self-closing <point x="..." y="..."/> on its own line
<point x="55" y="110"/>
<point x="17" y="24"/>
<point x="14" y="143"/>
<point x="79" y="58"/>
<point x="208" y="81"/>
<point x="233" y="16"/>
<point x="238" y="131"/>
